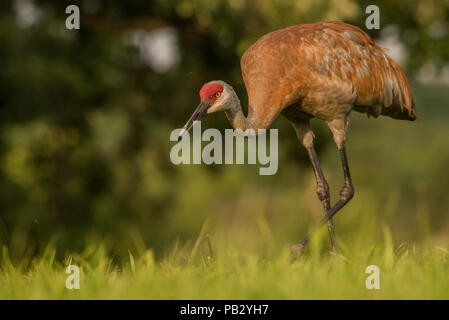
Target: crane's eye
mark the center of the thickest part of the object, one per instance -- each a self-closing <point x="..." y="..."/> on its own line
<point x="218" y="94"/>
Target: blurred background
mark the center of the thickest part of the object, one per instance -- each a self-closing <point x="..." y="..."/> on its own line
<point x="85" y="119"/>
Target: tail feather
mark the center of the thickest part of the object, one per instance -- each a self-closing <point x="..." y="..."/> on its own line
<point x="402" y="104"/>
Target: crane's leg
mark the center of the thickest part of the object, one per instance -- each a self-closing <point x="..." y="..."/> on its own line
<point x="338" y="128"/>
<point x="305" y="136"/>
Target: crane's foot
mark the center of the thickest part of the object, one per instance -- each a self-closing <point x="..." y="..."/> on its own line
<point x="298" y="249"/>
<point x="335" y="249"/>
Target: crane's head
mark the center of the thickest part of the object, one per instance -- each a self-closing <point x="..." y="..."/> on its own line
<point x="215" y="96"/>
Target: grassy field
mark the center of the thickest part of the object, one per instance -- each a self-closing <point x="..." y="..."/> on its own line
<point x="405" y="273"/>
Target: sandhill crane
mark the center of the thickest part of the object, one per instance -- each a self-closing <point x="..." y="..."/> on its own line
<point x="323" y="70"/>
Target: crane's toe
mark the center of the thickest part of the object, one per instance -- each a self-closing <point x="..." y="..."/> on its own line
<point x="297" y="250"/>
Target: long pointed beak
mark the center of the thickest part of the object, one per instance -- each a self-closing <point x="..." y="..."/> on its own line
<point x="199" y="113"/>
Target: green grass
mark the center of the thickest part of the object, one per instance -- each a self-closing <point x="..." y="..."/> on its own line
<point x="405" y="273"/>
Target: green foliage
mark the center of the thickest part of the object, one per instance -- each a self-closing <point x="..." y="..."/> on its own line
<point x="406" y="272"/>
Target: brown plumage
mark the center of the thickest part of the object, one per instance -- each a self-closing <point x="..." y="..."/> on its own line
<point x="323" y="64"/>
<point x="323" y="70"/>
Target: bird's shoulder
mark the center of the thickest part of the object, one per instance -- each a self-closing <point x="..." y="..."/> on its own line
<point x="312" y="41"/>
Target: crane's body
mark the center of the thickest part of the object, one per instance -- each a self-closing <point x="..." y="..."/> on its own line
<point x="323" y="70"/>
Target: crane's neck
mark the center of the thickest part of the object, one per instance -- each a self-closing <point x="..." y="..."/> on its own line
<point x="236" y="116"/>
